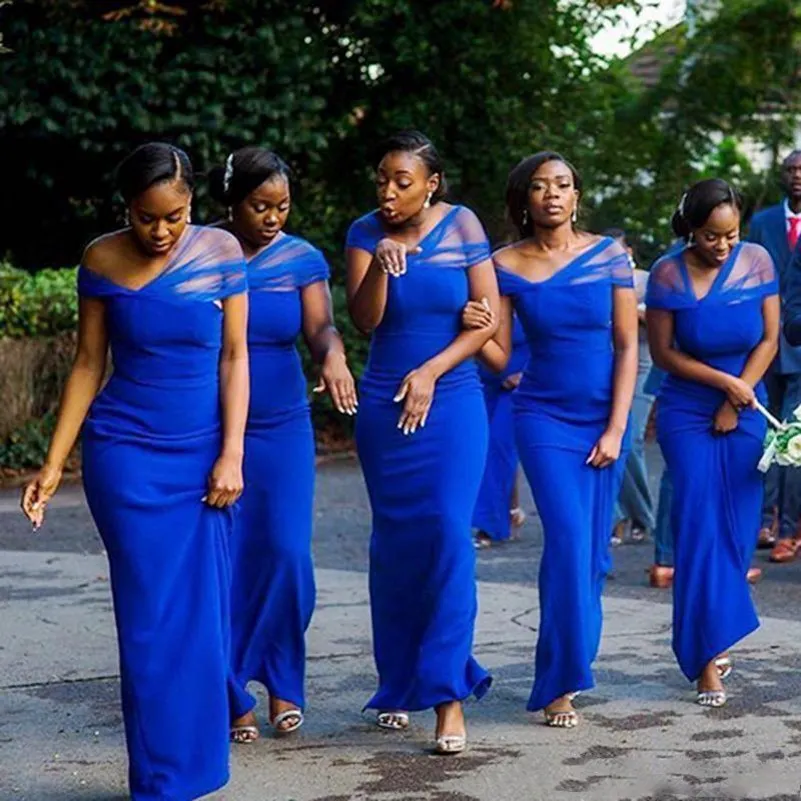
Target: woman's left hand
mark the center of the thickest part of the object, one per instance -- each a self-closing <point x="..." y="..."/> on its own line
<point x="225" y="482"/>
<point x="417" y="389"/>
<point x="726" y="419"/>
<point x="337" y="380"/>
<point x="513" y="381"/>
<point x="606" y="450"/>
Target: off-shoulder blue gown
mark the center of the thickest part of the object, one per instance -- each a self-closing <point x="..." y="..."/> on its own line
<point x="423" y="487"/>
<point x="562" y="407"/>
<point x="717" y="495"/>
<point x="149" y="444"/>
<point x="491" y="514"/>
<point x="273" y="575"/>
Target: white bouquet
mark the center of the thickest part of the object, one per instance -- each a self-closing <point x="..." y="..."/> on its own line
<point x="782" y="442"/>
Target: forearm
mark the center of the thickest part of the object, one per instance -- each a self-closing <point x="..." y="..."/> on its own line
<point x="369" y="301"/>
<point x="680" y="364"/>
<point x="759" y="361"/>
<point x="625" y="379"/>
<point x="466" y="344"/>
<point x="325" y="341"/>
<point x="493" y="355"/>
<point x="235" y="397"/>
<point x="80" y="390"/>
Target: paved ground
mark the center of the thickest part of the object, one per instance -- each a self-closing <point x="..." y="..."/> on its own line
<point x="642" y="738"/>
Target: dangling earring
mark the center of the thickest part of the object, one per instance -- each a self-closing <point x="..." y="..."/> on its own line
<point x="230" y="214"/>
<point x="525" y="218"/>
<point x="189" y="214"/>
<point x="126" y="218"/>
<point x="574" y="217"/>
<point x="691" y="238"/>
<point x="427" y="204"/>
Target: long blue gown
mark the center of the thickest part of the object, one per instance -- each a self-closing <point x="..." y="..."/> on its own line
<point x="273" y="576"/>
<point x="491" y="514"/>
<point x="150" y="441"/>
<point x="717" y="487"/>
<point x="423" y="487"/>
<point x="562" y="408"/>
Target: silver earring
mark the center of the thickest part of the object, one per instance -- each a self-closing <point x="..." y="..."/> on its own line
<point x="575" y="214"/>
<point x="691" y="238"/>
<point x="427" y="204"/>
<point x="230" y="214"/>
<point x="189" y="214"/>
<point x="126" y="218"/>
<point x="525" y="217"/>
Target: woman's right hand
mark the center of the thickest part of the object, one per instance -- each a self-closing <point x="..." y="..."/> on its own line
<point x="739" y="393"/>
<point x="391" y="256"/>
<point x="477" y="315"/>
<point x="38" y="492"/>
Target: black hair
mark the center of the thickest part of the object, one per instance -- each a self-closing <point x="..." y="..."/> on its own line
<point x="790" y="156"/>
<point x="519" y="182"/>
<point x="419" y="145"/>
<point x="150" y="164"/>
<point x="243" y="171"/>
<point x="699" y="201"/>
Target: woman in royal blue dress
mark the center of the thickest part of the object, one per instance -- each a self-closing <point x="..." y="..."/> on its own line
<point x="497" y="507"/>
<point x="713" y="326"/>
<point x="574" y="295"/>
<point x="421" y="434"/>
<point x="272" y="571"/>
<point x="162" y="464"/>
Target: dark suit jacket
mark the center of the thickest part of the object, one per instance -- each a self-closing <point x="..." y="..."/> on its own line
<point x="769" y="229"/>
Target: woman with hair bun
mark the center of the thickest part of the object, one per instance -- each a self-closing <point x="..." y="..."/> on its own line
<point x="713" y="326"/>
<point x="273" y="576"/>
<point x="421" y="434"/>
<point x="162" y="464"/>
<point x="573" y="293"/>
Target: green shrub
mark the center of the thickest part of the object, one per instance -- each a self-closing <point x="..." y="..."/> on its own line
<point x="26" y="447"/>
<point x="40" y="305"/>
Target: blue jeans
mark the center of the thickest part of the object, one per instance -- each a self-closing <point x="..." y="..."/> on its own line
<point x="663" y="534"/>
<point x="635" y="502"/>
<point x="783" y="485"/>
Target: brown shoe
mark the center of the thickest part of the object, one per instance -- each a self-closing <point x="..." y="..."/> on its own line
<point x="753" y="575"/>
<point x="785" y="550"/>
<point x="660" y="577"/>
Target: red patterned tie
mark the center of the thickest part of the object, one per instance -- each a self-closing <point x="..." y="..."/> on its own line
<point x="795" y="231"/>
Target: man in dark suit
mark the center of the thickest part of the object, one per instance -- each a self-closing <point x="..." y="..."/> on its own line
<point x="778" y="230"/>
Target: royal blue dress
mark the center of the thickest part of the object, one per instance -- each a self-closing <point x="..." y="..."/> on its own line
<point x="273" y="576"/>
<point x="562" y="407"/>
<point x="491" y="514"/>
<point x="423" y="487"/>
<point x="717" y="488"/>
<point x="150" y="441"/>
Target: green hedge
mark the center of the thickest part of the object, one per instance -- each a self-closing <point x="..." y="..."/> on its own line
<point x="40" y="305"/>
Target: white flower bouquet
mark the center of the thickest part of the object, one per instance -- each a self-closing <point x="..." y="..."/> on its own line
<point x="782" y="442"/>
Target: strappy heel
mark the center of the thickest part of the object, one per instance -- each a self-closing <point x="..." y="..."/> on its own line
<point x="295" y="716"/>
<point x="724" y="666"/>
<point x="562" y="720"/>
<point x="244" y="735"/>
<point x="451" y="743"/>
<point x="711" y="698"/>
<point x="395" y="721"/>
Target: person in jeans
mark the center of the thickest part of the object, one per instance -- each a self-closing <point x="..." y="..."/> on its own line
<point x="635" y="503"/>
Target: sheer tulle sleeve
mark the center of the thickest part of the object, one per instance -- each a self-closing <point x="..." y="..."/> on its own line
<point x="364" y="233"/>
<point x="475" y="245"/>
<point x="208" y="266"/>
<point x="289" y="264"/>
<point x="667" y="288"/>
<point x="753" y="274"/>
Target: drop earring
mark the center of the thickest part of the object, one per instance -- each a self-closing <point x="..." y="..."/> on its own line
<point x="126" y="218"/>
<point x="230" y="214"/>
<point x="427" y="204"/>
<point x="525" y="218"/>
<point x="189" y="214"/>
<point x="574" y="216"/>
